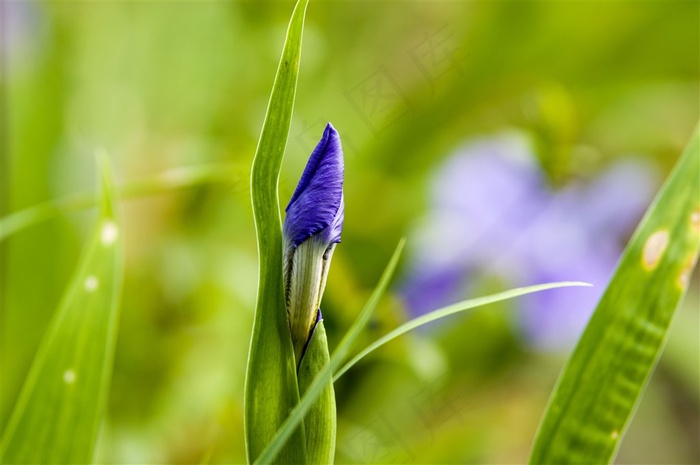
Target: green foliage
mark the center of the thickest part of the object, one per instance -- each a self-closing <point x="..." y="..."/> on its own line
<point x="271" y="383"/>
<point x="61" y="406"/>
<point x="446" y="311"/>
<point x="318" y="385"/>
<point x="320" y="439"/>
<point x="167" y="181"/>
<point x="600" y="387"/>
<point x="187" y="84"/>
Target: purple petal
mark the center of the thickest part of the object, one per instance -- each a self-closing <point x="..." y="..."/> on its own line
<point x="317" y="205"/>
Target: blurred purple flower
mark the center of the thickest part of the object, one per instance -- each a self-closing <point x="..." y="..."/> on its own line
<point x="494" y="214"/>
<point x="312" y="227"/>
<point x="24" y="34"/>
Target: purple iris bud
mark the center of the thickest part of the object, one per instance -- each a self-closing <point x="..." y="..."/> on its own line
<point x="311" y="229"/>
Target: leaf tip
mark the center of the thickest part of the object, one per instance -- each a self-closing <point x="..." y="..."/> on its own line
<point x="107" y="182"/>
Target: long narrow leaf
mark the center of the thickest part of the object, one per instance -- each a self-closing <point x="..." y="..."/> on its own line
<point x="271" y="389"/>
<point x="324" y="377"/>
<point x="320" y="439"/>
<point x="446" y="311"/>
<point x="166" y="181"/>
<point x="61" y="405"/>
<point x="601" y="385"/>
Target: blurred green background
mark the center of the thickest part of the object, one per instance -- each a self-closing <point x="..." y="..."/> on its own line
<point x="164" y="85"/>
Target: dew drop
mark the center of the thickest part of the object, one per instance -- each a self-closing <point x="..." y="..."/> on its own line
<point x="91" y="283"/>
<point x="614" y="435"/>
<point x="69" y="376"/>
<point x="654" y="249"/>
<point x="695" y="220"/>
<point x="109" y="233"/>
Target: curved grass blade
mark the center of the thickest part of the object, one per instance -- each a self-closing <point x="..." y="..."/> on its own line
<point x="321" y="380"/>
<point x="61" y="405"/>
<point x="601" y="384"/>
<point x="271" y="389"/>
<point x="320" y="439"/>
<point x="449" y="310"/>
<point x="167" y="181"/>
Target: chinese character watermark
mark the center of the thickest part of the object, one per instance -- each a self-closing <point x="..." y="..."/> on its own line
<point x="380" y="442"/>
<point x="378" y="100"/>
<point x="436" y="56"/>
<point x="436" y="404"/>
<point x="309" y="135"/>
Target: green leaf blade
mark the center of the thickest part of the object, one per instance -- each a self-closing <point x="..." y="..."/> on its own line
<point x="271" y="389"/>
<point x="601" y="385"/>
<point x="167" y="181"/>
<point x="447" y="311"/>
<point x="59" y="410"/>
<point x="320" y="421"/>
<point x="322" y="379"/>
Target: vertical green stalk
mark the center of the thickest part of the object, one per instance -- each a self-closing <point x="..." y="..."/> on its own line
<point x="271" y="390"/>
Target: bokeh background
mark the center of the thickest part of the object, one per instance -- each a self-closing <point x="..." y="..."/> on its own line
<point x="512" y="143"/>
